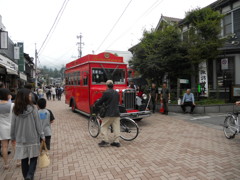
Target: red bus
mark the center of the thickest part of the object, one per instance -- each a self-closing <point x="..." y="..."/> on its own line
<point x="85" y="80"/>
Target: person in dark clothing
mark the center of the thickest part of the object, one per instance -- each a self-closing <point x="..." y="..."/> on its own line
<point x="165" y="97"/>
<point x="154" y="96"/>
<point x="112" y="117"/>
<point x="34" y="95"/>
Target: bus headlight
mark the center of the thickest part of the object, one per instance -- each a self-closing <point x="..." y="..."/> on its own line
<point x="117" y="90"/>
<point x="144" y="96"/>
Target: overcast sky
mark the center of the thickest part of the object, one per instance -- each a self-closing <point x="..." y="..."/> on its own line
<point x="29" y="21"/>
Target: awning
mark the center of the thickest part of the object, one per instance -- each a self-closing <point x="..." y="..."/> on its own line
<point x="11" y="71"/>
<point x="23" y="76"/>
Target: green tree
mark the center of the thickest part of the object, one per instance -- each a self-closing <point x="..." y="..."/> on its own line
<point x="160" y="52"/>
<point x="203" y="38"/>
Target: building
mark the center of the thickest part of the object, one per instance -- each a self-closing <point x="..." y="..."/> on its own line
<point x="16" y="67"/>
<point x="166" y="21"/>
<point x="223" y="73"/>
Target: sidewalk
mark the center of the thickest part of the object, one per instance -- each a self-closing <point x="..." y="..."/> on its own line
<point x="166" y="148"/>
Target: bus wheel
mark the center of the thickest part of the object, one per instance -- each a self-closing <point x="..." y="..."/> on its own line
<point x="73" y="107"/>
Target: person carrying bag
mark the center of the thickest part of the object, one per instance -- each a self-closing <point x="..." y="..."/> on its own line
<point x="43" y="159"/>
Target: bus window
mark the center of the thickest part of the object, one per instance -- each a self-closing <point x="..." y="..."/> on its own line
<point x="71" y="79"/>
<point x="100" y="75"/>
<point x="66" y="78"/>
<point x="79" y="75"/>
<point x="75" y="78"/>
<point x="85" y="78"/>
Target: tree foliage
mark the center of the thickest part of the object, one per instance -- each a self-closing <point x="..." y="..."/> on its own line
<point x="54" y="73"/>
<point x="164" y="50"/>
<point x="203" y="35"/>
<point x="159" y="52"/>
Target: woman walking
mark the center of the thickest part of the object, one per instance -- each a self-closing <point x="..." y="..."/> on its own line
<point x="26" y="130"/>
<point x="5" y="123"/>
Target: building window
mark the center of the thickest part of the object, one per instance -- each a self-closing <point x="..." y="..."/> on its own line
<point x="236" y="21"/>
<point x="227" y="24"/>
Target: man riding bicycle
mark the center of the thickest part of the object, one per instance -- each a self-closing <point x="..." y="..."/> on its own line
<point x="112" y="116"/>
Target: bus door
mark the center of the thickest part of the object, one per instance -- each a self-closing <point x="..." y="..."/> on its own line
<point x="83" y="100"/>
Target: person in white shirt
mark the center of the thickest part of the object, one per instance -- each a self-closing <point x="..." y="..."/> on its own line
<point x="53" y="92"/>
<point x="188" y="100"/>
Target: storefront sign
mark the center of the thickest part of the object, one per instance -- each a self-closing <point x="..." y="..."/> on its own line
<point x="184" y="81"/>
<point x="21" y="62"/>
<point x="23" y="76"/>
<point x="203" y="79"/>
<point x="10" y="65"/>
<point x="16" y="53"/>
<point x="224" y="64"/>
<point x="3" y="39"/>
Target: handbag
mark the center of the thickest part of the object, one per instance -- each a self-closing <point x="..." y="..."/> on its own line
<point x="43" y="159"/>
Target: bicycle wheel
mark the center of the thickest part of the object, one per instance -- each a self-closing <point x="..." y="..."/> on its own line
<point x="229" y="127"/>
<point x="93" y="126"/>
<point x="129" y="129"/>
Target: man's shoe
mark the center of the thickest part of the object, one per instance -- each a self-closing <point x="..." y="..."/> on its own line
<point x="191" y="113"/>
<point x="103" y="144"/>
<point x="117" y="144"/>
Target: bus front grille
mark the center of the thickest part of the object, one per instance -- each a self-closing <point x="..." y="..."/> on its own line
<point x="129" y="99"/>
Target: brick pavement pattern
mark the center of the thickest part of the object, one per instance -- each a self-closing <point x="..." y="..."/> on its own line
<point x="166" y="148"/>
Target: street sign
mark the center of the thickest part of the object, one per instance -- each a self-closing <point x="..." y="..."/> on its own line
<point x="224" y="64"/>
<point x="184" y="81"/>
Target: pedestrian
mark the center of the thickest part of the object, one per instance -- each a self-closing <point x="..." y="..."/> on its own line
<point x="53" y="92"/>
<point x="5" y="123"/>
<point x="26" y="130"/>
<point x="165" y="97"/>
<point x="40" y="92"/>
<point x="34" y="96"/>
<point x="46" y="117"/>
<point x="132" y="85"/>
<point x="110" y="99"/>
<point x="58" y="93"/>
<point x="154" y="96"/>
<point x="13" y="95"/>
<point x="2" y="85"/>
<point x="188" y="100"/>
<point x="48" y="92"/>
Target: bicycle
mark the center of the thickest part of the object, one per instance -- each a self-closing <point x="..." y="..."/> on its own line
<point x="231" y="125"/>
<point x="129" y="130"/>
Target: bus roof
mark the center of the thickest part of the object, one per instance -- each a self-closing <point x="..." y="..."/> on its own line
<point x="102" y="57"/>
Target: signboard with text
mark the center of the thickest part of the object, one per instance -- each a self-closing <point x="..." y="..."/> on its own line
<point x="3" y="40"/>
<point x="21" y="62"/>
<point x="203" y="79"/>
<point x="224" y="64"/>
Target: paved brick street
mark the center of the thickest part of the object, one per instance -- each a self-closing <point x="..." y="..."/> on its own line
<point x="166" y="148"/>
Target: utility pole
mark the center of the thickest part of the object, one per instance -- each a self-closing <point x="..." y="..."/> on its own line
<point x="80" y="44"/>
<point x="36" y="58"/>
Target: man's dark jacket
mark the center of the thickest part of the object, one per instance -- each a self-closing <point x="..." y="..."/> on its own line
<point x="111" y="99"/>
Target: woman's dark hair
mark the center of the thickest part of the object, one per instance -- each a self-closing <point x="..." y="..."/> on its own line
<point x="22" y="101"/>
<point x="42" y="103"/>
<point x="4" y="93"/>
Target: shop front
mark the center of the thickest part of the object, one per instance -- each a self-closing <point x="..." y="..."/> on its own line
<point x="8" y="72"/>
